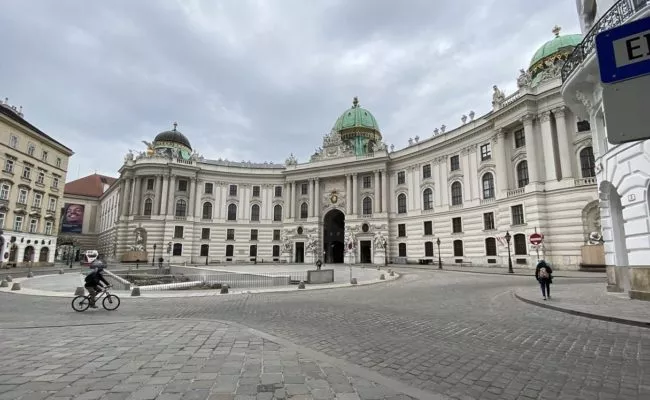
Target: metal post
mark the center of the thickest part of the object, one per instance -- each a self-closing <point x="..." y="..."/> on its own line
<point x="153" y="259"/>
<point x="537" y="247"/>
<point x="439" y="259"/>
<point x="510" y="270"/>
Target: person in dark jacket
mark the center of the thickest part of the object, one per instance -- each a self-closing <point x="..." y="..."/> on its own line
<point x="94" y="281"/>
<point x="544" y="275"/>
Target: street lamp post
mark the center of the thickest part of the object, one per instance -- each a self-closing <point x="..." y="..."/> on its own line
<point x="439" y="259"/>
<point x="508" y="237"/>
<point x="153" y="259"/>
<point x="169" y="252"/>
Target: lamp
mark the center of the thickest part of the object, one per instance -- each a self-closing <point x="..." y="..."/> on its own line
<point x="508" y="237"/>
<point x="439" y="259"/>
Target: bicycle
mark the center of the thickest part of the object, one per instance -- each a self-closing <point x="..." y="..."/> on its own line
<point x="110" y="301"/>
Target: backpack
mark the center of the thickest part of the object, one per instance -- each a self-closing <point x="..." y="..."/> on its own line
<point x="543" y="272"/>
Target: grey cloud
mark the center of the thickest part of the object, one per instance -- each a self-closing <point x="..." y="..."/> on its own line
<point x="258" y="80"/>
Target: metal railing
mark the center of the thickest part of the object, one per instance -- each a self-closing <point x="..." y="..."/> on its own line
<point x="618" y="14"/>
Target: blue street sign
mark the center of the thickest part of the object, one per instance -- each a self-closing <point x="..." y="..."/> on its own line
<point x="624" y="51"/>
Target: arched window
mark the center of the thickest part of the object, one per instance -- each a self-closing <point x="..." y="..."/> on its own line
<point x="255" y="212"/>
<point x="178" y="249"/>
<point x="252" y="250"/>
<point x="456" y="194"/>
<point x="277" y="213"/>
<point x="401" y="249"/>
<point x="205" y="250"/>
<point x="366" y="206"/>
<point x="490" y="246"/>
<point x="276" y="250"/>
<point x="148" y="206"/>
<point x="232" y="212"/>
<point x="428" y="249"/>
<point x="401" y="204"/>
<point x="587" y="162"/>
<point x="520" y="244"/>
<point x="230" y="250"/>
<point x="181" y="208"/>
<point x="522" y="174"/>
<point x="427" y="199"/>
<point x="458" y="248"/>
<point x="207" y="210"/>
<point x="304" y="210"/>
<point x="488" y="185"/>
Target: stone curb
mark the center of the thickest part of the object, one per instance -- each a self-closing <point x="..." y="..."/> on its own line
<point x="531" y="273"/>
<point x="601" y="317"/>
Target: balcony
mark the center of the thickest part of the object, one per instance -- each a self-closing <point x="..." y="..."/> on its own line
<point x="617" y="15"/>
<point x="586" y="181"/>
<point x="488" y="201"/>
<point x="515" y="192"/>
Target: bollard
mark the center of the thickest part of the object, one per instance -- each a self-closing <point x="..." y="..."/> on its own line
<point x="301" y="285"/>
<point x="135" y="291"/>
<point x="80" y="291"/>
<point x="4" y="283"/>
<point x="224" y="289"/>
<point x="382" y="277"/>
<point x="390" y="270"/>
<point x="61" y="271"/>
<point x="30" y="274"/>
<point x="391" y="273"/>
<point x="15" y="286"/>
<point x="353" y="281"/>
<point x="8" y="278"/>
<point x="378" y="267"/>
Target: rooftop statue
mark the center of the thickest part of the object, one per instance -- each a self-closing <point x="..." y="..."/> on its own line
<point x="524" y="79"/>
<point x="498" y="96"/>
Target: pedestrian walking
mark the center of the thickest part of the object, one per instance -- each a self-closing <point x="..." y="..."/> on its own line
<point x="544" y="275"/>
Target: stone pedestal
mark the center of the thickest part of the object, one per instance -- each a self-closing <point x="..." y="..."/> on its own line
<point x="380" y="257"/>
<point x="320" y="276"/>
<point x="134" y="256"/>
<point x="350" y="258"/>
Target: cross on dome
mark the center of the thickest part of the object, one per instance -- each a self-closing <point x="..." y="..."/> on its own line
<point x="175" y="125"/>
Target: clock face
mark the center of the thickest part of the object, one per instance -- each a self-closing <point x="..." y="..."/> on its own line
<point x="334" y="198"/>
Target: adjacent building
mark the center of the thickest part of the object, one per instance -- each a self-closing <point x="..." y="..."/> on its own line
<point x="622" y="171"/>
<point x="526" y="166"/>
<point x="34" y="169"/>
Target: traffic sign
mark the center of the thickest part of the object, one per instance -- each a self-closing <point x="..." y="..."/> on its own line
<point x="536" y="238"/>
<point x="624" y="62"/>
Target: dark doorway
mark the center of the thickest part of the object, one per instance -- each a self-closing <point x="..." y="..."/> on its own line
<point x="364" y="251"/>
<point x="300" y="252"/>
<point x="333" y="235"/>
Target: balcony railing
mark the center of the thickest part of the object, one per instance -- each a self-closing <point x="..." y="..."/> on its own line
<point x="586" y="181"/>
<point x="617" y="15"/>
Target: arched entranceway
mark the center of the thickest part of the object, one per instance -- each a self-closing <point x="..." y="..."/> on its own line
<point x="44" y="254"/>
<point x="333" y="236"/>
<point x="29" y="254"/>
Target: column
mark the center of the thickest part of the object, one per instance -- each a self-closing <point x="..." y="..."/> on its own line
<point x="437" y="174"/>
<point x="384" y="192"/>
<point x="223" y="212"/>
<point x="498" y="149"/>
<point x="564" y="143"/>
<point x="292" y="200"/>
<point x="129" y="210"/>
<point x="355" y="189"/>
<point x="411" y="188"/>
<point x="316" y="197"/>
<point x="531" y="154"/>
<point x="158" y="202"/>
<point x="467" y="175"/>
<point x="547" y="143"/>
<point x="348" y="194"/>
<point x="241" y="209"/>
<point x="312" y="187"/>
<point x="269" y="192"/>
<point x="171" y="189"/>
<point x="198" y="210"/>
<point x="376" y="208"/>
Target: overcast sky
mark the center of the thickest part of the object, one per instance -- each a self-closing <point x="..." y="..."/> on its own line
<point x="259" y="79"/>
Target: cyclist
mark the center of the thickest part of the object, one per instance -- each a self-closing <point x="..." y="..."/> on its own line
<point x="94" y="281"/>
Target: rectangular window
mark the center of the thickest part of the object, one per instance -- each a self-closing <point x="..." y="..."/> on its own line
<point x="278" y="191"/>
<point x="4" y="192"/>
<point x="401" y="230"/>
<point x="52" y="205"/>
<point x="488" y="221"/>
<point x="13" y="141"/>
<point x="230" y="234"/>
<point x="9" y="166"/>
<point x="48" y="227"/>
<point x="367" y="182"/>
<point x="182" y="185"/>
<point x="41" y="178"/>
<point x="178" y="232"/>
<point x="44" y="156"/>
<point x="2" y="220"/>
<point x="584" y="126"/>
<point x="256" y="191"/>
<point x="30" y="149"/>
<point x="208" y="188"/>
<point x="304" y="188"/>
<point x="520" y="138"/>
<point x="401" y="178"/>
<point x="254" y="234"/>
<point x="205" y="233"/>
<point x="401" y="250"/>
<point x="232" y="190"/>
<point x="38" y="199"/>
<point x="457" y="225"/>
<point x="27" y="172"/>
<point x="426" y="171"/>
<point x="58" y="162"/>
<point x="276" y="234"/>
<point x="518" y="215"/>
<point x="454" y="163"/>
<point x="428" y="228"/>
<point x="55" y="183"/>
<point x="22" y="196"/>
<point x="490" y="247"/>
<point x="18" y="223"/>
<point x="33" y="225"/>
<point x="150" y="183"/>
<point x="486" y="152"/>
<point x="428" y="249"/>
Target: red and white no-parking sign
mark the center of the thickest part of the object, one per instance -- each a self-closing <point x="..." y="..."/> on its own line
<point x="536" y="238"/>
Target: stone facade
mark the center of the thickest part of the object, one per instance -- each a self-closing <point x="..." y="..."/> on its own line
<point x="623" y="171"/>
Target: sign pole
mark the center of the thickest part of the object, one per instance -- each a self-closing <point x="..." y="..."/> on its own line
<point x="537" y="247"/>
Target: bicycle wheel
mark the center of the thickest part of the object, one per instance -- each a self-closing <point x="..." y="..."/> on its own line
<point x="80" y="303"/>
<point x="111" y="302"/>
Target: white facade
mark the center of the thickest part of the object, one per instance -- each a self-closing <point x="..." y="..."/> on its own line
<point x="623" y="171"/>
<point x="516" y="169"/>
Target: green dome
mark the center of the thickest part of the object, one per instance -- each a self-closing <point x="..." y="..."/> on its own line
<point x="356" y="117"/>
<point x="558" y="46"/>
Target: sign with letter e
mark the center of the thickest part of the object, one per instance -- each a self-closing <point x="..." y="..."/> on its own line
<point x="624" y="63"/>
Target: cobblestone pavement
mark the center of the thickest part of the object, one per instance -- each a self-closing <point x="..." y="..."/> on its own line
<point x="458" y="334"/>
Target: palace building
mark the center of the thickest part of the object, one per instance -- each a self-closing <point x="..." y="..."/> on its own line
<point x="526" y="166"/>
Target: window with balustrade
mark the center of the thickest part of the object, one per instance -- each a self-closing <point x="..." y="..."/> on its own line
<point x="587" y="162"/>
<point x="366" y="206"/>
<point x="522" y="174"/>
<point x="456" y="194"/>
<point x="304" y="210"/>
<point x="181" y="208"/>
<point x="401" y="204"/>
<point x="488" y="185"/>
<point x="427" y="199"/>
